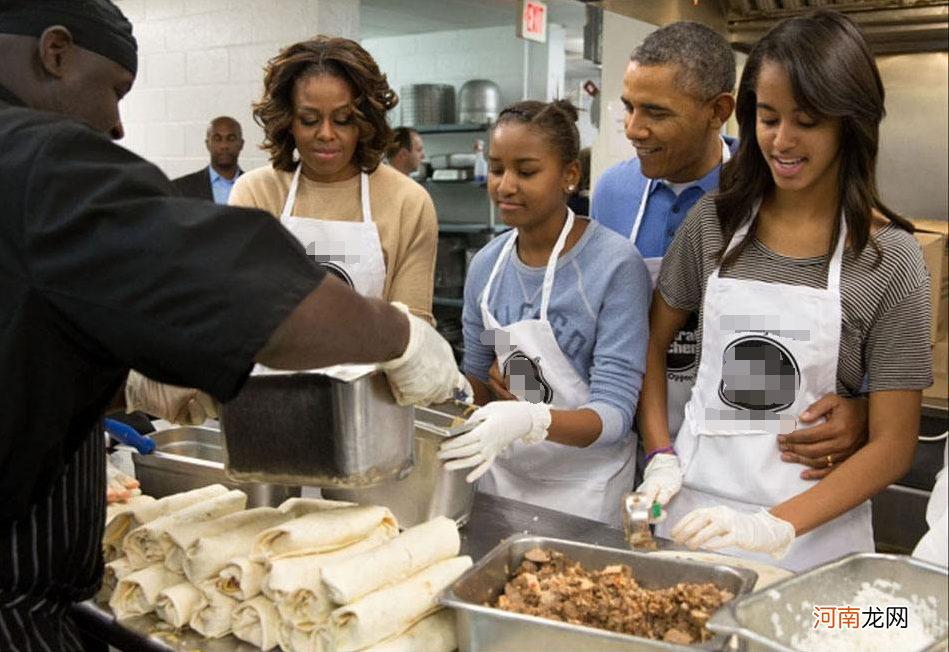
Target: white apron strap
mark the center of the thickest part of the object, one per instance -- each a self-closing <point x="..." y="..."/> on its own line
<point x="292" y="194"/>
<point x="638" y="221"/>
<point x="498" y="265"/>
<point x="548" y="274"/>
<point x="552" y="265"/>
<point x="364" y="197"/>
<point x="836" y="260"/>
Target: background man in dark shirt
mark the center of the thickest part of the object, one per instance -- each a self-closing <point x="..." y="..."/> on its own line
<point x="100" y="271"/>
<point x="224" y="141"/>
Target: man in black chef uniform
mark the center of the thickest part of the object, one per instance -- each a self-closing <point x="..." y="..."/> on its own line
<point x="103" y="268"/>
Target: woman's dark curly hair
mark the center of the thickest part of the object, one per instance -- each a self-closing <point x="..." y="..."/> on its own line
<point x="340" y="58"/>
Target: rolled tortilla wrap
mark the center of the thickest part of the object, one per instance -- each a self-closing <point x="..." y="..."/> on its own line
<point x="176" y="604"/>
<point x="391" y="610"/>
<point x="232" y="536"/>
<point x="145" y="511"/>
<point x="294" y="639"/>
<point x="322" y="531"/>
<point x="112" y="546"/>
<point x="176" y="539"/>
<point x="434" y="633"/>
<point x="142" y="545"/>
<point x="293" y="583"/>
<point x="114" y="571"/>
<point x="257" y="622"/>
<point x="135" y="594"/>
<point x="415" y="549"/>
<point x="241" y="578"/>
<point x="301" y="506"/>
<point x="214" y="614"/>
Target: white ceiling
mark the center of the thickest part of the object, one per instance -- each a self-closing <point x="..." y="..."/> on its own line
<point x="400" y="17"/>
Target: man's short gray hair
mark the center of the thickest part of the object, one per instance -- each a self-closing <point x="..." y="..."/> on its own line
<point x="707" y="63"/>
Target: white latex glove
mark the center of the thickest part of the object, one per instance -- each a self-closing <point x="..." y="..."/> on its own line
<point x="662" y="479"/>
<point x="119" y="486"/>
<point x="719" y="527"/>
<point x="501" y="424"/>
<point x="182" y="405"/>
<point x="426" y="371"/>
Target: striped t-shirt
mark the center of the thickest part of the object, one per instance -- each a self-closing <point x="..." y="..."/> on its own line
<point x="886" y="309"/>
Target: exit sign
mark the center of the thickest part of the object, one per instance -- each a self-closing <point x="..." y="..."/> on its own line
<point x="532" y="23"/>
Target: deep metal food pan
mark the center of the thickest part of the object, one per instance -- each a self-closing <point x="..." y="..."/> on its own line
<point x="191" y="457"/>
<point x="764" y="621"/>
<point x="311" y="429"/>
<point x="428" y="491"/>
<point x="487" y="629"/>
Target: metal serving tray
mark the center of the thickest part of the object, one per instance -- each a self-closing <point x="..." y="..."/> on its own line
<point x="191" y="457"/>
<point x="310" y="429"/>
<point x="756" y="618"/>
<point x="487" y="629"/>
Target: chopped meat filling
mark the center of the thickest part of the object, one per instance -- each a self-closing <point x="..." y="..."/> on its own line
<point x="549" y="585"/>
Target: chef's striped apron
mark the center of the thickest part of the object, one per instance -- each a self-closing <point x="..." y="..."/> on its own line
<point x="52" y="557"/>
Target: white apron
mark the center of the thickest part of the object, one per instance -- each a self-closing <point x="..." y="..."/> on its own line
<point x="682" y="354"/>
<point x="349" y="250"/>
<point x="757" y="335"/>
<point x="588" y="482"/>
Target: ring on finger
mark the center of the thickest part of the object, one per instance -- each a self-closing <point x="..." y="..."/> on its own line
<point x="830" y="461"/>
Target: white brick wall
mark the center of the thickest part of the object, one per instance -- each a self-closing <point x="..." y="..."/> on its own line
<point x="202" y="58"/>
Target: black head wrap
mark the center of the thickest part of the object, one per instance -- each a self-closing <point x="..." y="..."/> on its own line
<point x="96" y="25"/>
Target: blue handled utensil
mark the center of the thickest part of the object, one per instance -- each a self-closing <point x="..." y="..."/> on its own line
<point x="126" y="434"/>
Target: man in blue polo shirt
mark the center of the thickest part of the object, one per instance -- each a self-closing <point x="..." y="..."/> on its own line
<point x="678" y="93"/>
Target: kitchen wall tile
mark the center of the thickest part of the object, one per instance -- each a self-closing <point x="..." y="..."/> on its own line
<point x="158" y="9"/>
<point x="165" y="140"/>
<point x="247" y="62"/>
<point x="144" y="105"/>
<point x="134" y="10"/>
<point x="208" y="67"/>
<point x="163" y="69"/>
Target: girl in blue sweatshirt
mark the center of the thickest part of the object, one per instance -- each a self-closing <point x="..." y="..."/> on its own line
<point x="559" y="307"/>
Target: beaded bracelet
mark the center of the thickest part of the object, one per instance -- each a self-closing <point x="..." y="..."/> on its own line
<point x="664" y="449"/>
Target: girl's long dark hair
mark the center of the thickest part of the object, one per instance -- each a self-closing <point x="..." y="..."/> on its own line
<point x="833" y="75"/>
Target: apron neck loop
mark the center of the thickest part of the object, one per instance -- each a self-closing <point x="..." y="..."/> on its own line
<point x="295" y="184"/>
<point x="836" y="259"/>
<point x="640" y="213"/>
<point x="509" y="250"/>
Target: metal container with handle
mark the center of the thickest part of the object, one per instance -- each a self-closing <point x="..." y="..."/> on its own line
<point x="191" y="457"/>
<point x="429" y="490"/>
<point x="310" y="428"/>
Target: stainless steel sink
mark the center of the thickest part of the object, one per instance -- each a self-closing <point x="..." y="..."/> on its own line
<point x="191" y="457"/>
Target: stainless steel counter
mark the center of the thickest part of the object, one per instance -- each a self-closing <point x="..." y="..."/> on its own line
<point x="492" y="520"/>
